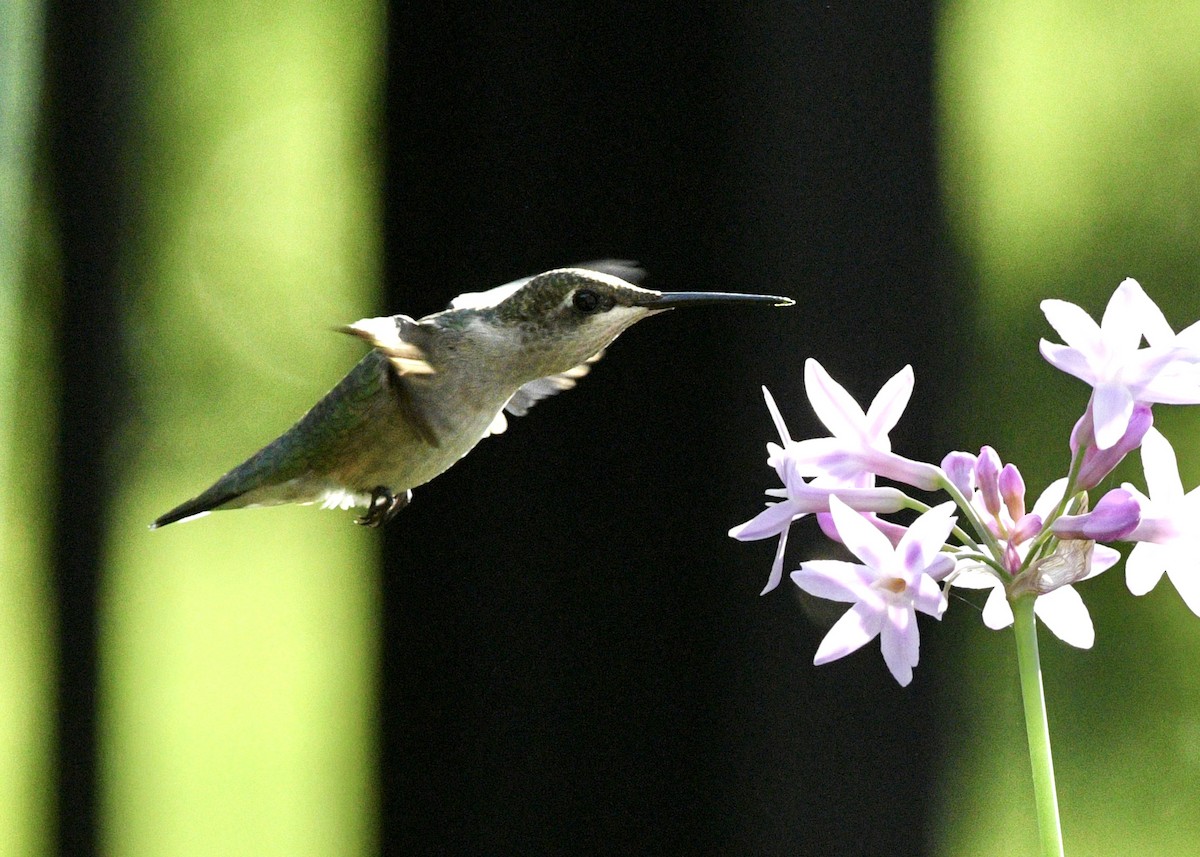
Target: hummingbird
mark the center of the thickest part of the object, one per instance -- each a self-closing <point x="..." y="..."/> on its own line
<point x="430" y="389"/>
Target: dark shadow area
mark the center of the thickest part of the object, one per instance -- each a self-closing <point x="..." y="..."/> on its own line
<point x="576" y="659"/>
<point x="89" y="85"/>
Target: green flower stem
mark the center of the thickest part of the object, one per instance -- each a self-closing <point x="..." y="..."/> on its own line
<point x="968" y="511"/>
<point x="1037" y="728"/>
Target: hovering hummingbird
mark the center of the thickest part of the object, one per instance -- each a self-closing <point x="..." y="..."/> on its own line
<point x="429" y="390"/>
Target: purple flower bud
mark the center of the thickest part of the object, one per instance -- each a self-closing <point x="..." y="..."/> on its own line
<point x="960" y="470"/>
<point x="1012" y="491"/>
<point x="1115" y="516"/>
<point x="1098" y="463"/>
<point x="987" y="474"/>
<point x="1025" y="529"/>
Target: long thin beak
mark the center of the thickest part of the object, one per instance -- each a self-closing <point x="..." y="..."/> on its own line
<point x="669" y="300"/>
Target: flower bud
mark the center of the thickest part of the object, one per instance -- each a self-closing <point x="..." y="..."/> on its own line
<point x="1115" y="516"/>
<point x="1098" y="463"/>
<point x="1025" y="529"/>
<point x="1012" y="491"/>
<point x="959" y="468"/>
<point x="987" y="474"/>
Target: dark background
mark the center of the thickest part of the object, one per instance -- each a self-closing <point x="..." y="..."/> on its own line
<point x="575" y="656"/>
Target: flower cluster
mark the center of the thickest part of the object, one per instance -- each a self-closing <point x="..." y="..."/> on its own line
<point x="984" y="536"/>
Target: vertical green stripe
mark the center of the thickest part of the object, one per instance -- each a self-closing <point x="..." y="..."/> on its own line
<point x="240" y="650"/>
<point x="25" y="610"/>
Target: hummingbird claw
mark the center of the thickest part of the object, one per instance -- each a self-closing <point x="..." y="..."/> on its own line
<point x="384" y="506"/>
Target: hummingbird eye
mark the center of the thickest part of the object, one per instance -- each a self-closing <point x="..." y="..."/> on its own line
<point x="588" y="301"/>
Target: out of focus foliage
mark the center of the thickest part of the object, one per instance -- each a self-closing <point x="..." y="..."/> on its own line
<point x="1071" y="153"/>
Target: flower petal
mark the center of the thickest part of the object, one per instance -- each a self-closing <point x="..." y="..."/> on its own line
<point x="1066" y="359"/>
<point x="1112" y="406"/>
<point x="1145" y="566"/>
<point x="836" y="580"/>
<point x="1121" y="325"/>
<point x="1114" y="517"/>
<point x="826" y="457"/>
<point x="928" y="597"/>
<point x="1185" y="574"/>
<point x="997" y="612"/>
<point x="889" y="404"/>
<point x="1103" y="558"/>
<point x="1189" y="337"/>
<point x="1153" y="323"/>
<point x="1075" y="326"/>
<point x="1175" y="384"/>
<point x="1012" y="490"/>
<point x="987" y="475"/>
<point x="926" y="537"/>
<point x="919" y="474"/>
<point x="1161" y="468"/>
<point x="974" y="577"/>
<point x="1098" y="463"/>
<point x="860" y="536"/>
<point x="900" y="641"/>
<point x="776" y="564"/>
<point x="860" y="625"/>
<point x="959" y="468"/>
<point x="1049" y="498"/>
<point x="776" y="417"/>
<point x="1064" y="613"/>
<point x="940" y="567"/>
<point x="832" y="404"/>
<point x="771" y="521"/>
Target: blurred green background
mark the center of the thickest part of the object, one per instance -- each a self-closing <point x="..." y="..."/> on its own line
<point x="237" y="700"/>
<point x="1070" y="139"/>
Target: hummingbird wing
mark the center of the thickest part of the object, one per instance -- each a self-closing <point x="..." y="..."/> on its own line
<point x="530" y="394"/>
<point x="626" y="269"/>
<point x="397" y="337"/>
<point x="533" y="392"/>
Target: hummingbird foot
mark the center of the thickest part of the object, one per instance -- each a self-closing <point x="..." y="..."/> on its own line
<point x="384" y="506"/>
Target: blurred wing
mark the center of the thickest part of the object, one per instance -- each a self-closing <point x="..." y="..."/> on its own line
<point x="480" y="300"/>
<point x="627" y="270"/>
<point x="533" y="392"/>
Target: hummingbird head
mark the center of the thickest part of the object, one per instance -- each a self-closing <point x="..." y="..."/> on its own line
<point x="569" y="315"/>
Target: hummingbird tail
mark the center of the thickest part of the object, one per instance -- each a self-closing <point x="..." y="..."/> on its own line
<point x="195" y="507"/>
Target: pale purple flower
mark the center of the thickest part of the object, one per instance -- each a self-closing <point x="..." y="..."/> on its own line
<point x="1060" y="608"/>
<point x="1169" y="533"/>
<point x="886" y="589"/>
<point x="800" y="498"/>
<point x="859" y="448"/>
<point x="1108" y="357"/>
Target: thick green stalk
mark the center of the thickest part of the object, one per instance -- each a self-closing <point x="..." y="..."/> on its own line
<point x="1037" y="728"/>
